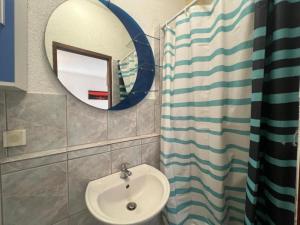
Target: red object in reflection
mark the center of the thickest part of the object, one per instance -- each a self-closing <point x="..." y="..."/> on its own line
<point x="98" y="95"/>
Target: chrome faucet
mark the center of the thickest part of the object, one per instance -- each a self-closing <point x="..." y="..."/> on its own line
<point x="125" y="173"/>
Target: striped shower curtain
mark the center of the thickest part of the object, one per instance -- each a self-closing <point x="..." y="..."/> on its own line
<point x="206" y="113"/>
<point x="275" y="100"/>
<point x="129" y="69"/>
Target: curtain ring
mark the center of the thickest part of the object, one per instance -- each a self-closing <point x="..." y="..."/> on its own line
<point x="186" y="12"/>
<point x="167" y="26"/>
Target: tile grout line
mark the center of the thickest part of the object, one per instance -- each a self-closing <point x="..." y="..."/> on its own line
<point x="141" y="153"/>
<point x="111" y="162"/>
<point x="67" y="127"/>
<point x="35" y="167"/>
<point x="107" y="127"/>
<point x="6" y="121"/>
<point x="68" y="188"/>
<point x="67" y="161"/>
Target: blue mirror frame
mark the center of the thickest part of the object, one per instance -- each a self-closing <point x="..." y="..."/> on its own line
<point x="146" y="62"/>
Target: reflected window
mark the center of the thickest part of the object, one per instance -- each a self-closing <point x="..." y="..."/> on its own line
<point x="87" y="75"/>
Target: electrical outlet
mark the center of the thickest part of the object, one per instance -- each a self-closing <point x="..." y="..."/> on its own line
<point x="14" y="138"/>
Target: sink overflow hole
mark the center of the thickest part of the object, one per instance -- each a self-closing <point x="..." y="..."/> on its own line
<point x="127" y="186"/>
<point x="131" y="206"/>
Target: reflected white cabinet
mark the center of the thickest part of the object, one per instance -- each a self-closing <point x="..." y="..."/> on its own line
<point x="13" y="44"/>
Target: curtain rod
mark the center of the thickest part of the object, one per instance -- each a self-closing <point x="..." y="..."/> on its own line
<point x="179" y="13"/>
<point x="130" y="53"/>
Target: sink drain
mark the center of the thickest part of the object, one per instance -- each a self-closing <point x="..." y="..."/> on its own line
<point x="131" y="206"/>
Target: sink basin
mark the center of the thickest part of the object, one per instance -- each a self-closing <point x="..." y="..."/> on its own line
<point x="135" y="200"/>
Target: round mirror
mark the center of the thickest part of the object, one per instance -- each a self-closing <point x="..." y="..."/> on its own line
<point x="92" y="53"/>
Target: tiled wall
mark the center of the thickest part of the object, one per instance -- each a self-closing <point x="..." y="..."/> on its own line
<point x="68" y="145"/>
<point x="68" y="142"/>
<point x="50" y="189"/>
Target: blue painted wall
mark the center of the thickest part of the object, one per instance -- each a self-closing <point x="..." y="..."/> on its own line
<point x="7" y="44"/>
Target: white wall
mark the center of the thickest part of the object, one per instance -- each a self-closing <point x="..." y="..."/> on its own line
<point x="151" y="13"/>
<point x="88" y="25"/>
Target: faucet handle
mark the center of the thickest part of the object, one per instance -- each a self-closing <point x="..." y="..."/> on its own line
<point x="124" y="166"/>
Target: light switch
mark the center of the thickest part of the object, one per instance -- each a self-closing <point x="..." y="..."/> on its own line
<point x="14" y="138"/>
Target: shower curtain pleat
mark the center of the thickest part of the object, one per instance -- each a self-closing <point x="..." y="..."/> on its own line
<point x="122" y="88"/>
<point x="206" y="113"/>
<point x="275" y="101"/>
<point x="129" y="68"/>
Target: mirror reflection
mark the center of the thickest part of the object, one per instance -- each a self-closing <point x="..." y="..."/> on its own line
<point x="91" y="53"/>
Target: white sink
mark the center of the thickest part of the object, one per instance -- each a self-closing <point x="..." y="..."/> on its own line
<point x="107" y="198"/>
